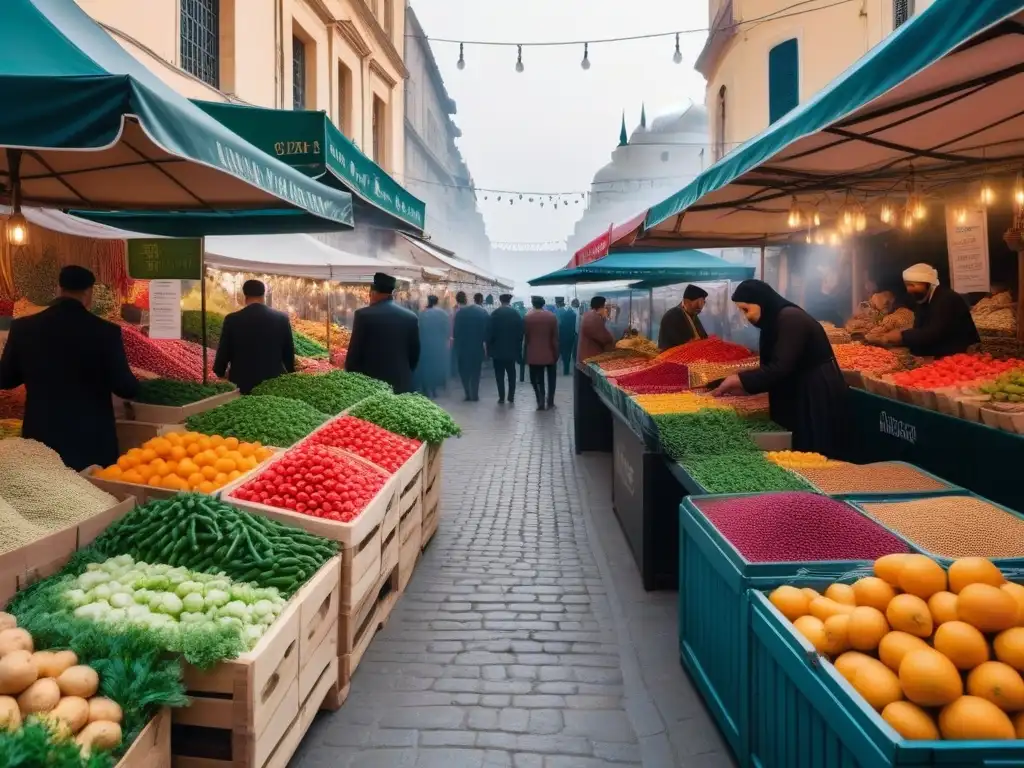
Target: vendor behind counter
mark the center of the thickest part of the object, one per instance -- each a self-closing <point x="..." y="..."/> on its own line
<point x="682" y="323"/>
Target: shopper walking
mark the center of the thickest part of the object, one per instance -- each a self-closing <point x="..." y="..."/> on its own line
<point x="385" y="340"/>
<point x="566" y="333"/>
<point x="435" y="332"/>
<point x="255" y="342"/>
<point x="70" y="362"/>
<point x="595" y="337"/>
<point x="470" y="336"/>
<point x="541" y="338"/>
<point x="505" y="345"/>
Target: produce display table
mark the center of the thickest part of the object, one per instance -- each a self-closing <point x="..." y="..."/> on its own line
<point x="972" y="455"/>
<point x="592" y="421"/>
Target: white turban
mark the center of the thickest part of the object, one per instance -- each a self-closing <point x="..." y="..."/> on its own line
<point x="921" y="273"/>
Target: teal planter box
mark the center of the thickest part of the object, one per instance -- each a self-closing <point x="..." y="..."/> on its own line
<point x="803" y="714"/>
<point x="714" y="616"/>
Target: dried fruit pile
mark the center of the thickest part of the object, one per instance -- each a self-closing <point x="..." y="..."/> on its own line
<point x="703" y="374"/>
<point x="616" y="358"/>
<point x="797" y="527"/>
<point x="187" y="461"/>
<point x="746" y="405"/>
<point x="939" y="654"/>
<point x="12" y="403"/>
<point x="318" y="481"/>
<point x="172" y="359"/>
<point x="375" y="444"/>
<point x="659" y="377"/>
<point x="317" y="331"/>
<point x="953" y="526"/>
<point x="799" y="460"/>
<point x="865" y="358"/>
<point x="880" y="477"/>
<point x="681" y="402"/>
<point x="707" y="432"/>
<point x="10" y="428"/>
<point x="313" y="365"/>
<point x="746" y="472"/>
<point x="709" y="350"/>
<point x="953" y="370"/>
<point x="274" y="421"/>
<point x="177" y="393"/>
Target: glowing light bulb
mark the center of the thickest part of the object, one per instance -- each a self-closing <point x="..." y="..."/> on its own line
<point x="819" y="238"/>
<point x="585" y="64"/>
<point x="960" y="215"/>
<point x="461" y="64"/>
<point x="794" y="215"/>
<point x="834" y="239"/>
<point x="886" y="214"/>
<point x="988" y="195"/>
<point x="861" y="223"/>
<point x="18" y="234"/>
<point x="920" y="210"/>
<point x="1018" y="194"/>
<point x="908" y="220"/>
<point x="817" y="218"/>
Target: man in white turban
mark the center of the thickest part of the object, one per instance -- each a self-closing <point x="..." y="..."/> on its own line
<point x="943" y="324"/>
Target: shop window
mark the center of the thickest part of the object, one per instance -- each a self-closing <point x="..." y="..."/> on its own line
<point x="298" y="74"/>
<point x="720" y="124"/>
<point x="200" y="39"/>
<point x="379" y="131"/>
<point x="902" y="10"/>
<point x="783" y="79"/>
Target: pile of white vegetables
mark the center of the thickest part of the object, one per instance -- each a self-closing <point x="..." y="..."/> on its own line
<point x="121" y="590"/>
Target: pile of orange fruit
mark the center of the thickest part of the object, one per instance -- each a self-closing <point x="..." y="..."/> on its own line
<point x="187" y="461"/>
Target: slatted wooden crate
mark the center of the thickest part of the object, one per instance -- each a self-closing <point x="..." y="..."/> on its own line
<point x="410" y="533"/>
<point x="175" y="414"/>
<point x="431" y="513"/>
<point x="357" y="630"/>
<point x="249" y="712"/>
<point x="433" y="463"/>
<point x="152" y="747"/>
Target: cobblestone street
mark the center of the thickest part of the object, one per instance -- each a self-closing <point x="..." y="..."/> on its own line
<point x="524" y="639"/>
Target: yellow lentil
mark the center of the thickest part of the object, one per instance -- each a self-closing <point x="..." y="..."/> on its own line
<point x="802" y="460"/>
<point x="881" y="477"/>
<point x="677" y="402"/>
<point x="953" y="526"/>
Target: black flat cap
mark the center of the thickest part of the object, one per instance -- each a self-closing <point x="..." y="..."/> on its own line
<point x="383" y="283"/>
<point x="76" y="278"/>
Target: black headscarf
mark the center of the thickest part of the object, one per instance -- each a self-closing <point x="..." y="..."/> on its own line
<point x="771" y="304"/>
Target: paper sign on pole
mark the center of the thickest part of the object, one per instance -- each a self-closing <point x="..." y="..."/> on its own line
<point x="165" y="309"/>
<point x="967" y="243"/>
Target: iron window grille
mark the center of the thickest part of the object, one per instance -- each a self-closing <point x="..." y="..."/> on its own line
<point x="200" y="39"/>
<point x="902" y="10"/>
<point x="298" y="74"/>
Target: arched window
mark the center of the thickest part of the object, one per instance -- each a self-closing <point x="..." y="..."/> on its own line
<point x="720" y="125"/>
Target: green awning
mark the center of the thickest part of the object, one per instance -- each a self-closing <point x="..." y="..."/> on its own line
<point x="309" y="142"/>
<point x="665" y="267"/>
<point x="936" y="102"/>
<point x="97" y="130"/>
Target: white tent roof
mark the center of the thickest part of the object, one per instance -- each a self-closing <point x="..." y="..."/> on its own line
<point x="428" y="255"/>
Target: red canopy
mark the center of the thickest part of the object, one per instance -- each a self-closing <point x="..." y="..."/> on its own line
<point x="601" y="246"/>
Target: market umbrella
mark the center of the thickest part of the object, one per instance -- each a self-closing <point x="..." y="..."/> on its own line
<point x="87" y="126"/>
<point x="617" y="236"/>
<point x="934" y="105"/>
<point x="665" y="267"/>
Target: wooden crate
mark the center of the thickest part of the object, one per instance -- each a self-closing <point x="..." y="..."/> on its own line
<point x="433" y="463"/>
<point x="411" y="476"/>
<point x="389" y="550"/>
<point x="356" y="631"/>
<point x="132" y="434"/>
<point x="248" y="712"/>
<point x="411" y="520"/>
<point x="152" y="747"/>
<point x="409" y="554"/>
<point x="175" y="414"/>
<point x="431" y="514"/>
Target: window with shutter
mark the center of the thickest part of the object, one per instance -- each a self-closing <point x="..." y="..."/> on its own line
<point x="720" y="125"/>
<point x="902" y="10"/>
<point x="783" y="79"/>
<point x="298" y="74"/>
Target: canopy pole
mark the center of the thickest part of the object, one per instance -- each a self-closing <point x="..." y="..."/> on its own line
<point x="650" y="314"/>
<point x="202" y="304"/>
<point x="762" y="264"/>
<point x="328" y="291"/>
<point x="1020" y="293"/>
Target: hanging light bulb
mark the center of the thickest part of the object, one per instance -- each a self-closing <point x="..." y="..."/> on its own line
<point x="817" y="218"/>
<point x="519" y="60"/>
<point x="1018" y="190"/>
<point x="861" y="221"/>
<point x="794" y="215"/>
<point x="834" y="239"/>
<point x="461" y="64"/>
<point x="988" y="195"/>
<point x="908" y="219"/>
<point x="17" y="228"/>
<point x="677" y="57"/>
<point x="886" y="214"/>
<point x="585" y="64"/>
<point x="960" y="214"/>
<point x="917" y="207"/>
<point x="809" y="238"/>
<point x="848" y="218"/>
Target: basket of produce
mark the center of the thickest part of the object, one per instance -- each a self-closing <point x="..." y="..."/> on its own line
<point x="915" y="664"/>
<point x="865" y="358"/>
<point x="883" y="479"/>
<point x="702" y="374"/>
<point x="167" y="401"/>
<point x="1008" y="417"/>
<point x="918" y="386"/>
<point x="836" y="335"/>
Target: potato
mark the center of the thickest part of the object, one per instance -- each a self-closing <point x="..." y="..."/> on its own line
<point x="44" y="663"/>
<point x="101" y="708"/>
<point x="73" y="710"/>
<point x="10" y="715"/>
<point x="15" y="640"/>
<point x="63" y="660"/>
<point x="7" y="621"/>
<point x="79" y="681"/>
<point x="102" y="734"/>
<point x="42" y="696"/>
<point x="17" y="672"/>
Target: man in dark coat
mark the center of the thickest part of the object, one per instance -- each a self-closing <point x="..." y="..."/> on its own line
<point x="70" y="362"/>
<point x="505" y="345"/>
<point x="470" y="336"/>
<point x="566" y="333"/>
<point x="541" y="334"/>
<point x="385" y="340"/>
<point x="943" y="324"/>
<point x="435" y="332"/>
<point x="255" y="343"/>
<point x="682" y="323"/>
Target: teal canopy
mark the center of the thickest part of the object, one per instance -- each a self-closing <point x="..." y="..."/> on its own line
<point x="665" y="267"/>
<point x="134" y="143"/>
<point x="935" y="105"/>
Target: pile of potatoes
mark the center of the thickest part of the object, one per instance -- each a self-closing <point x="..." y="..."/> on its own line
<point x="55" y="688"/>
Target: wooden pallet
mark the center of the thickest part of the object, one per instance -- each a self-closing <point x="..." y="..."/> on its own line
<point x="152" y="747"/>
<point x="249" y="712"/>
<point x="357" y="630"/>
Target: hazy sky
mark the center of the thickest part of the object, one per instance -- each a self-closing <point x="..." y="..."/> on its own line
<point x="551" y="127"/>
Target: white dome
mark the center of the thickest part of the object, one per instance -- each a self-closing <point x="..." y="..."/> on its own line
<point x="681" y="124"/>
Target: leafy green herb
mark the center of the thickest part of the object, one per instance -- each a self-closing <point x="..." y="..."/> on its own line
<point x="274" y="421"/>
<point x="410" y="415"/>
<point x="175" y="393"/>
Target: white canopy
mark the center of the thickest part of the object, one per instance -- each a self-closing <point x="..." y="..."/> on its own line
<point x="429" y="255"/>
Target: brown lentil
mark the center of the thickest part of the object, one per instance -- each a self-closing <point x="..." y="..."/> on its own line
<point x="15" y="530"/>
<point x="881" y="477"/>
<point x="953" y="526"/>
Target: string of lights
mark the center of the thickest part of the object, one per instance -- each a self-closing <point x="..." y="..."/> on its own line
<point x="502" y="195"/>
<point x="794" y="9"/>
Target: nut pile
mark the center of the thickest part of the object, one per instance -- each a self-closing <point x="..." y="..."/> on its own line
<point x="880" y="477"/>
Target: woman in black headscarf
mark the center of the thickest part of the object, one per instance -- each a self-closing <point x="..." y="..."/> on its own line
<point x="806" y="389"/>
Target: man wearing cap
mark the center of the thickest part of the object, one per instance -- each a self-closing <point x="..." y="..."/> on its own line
<point x="505" y="345"/>
<point x="435" y="331"/>
<point x="255" y="342"/>
<point x="385" y="340"/>
<point x="566" y="333"/>
<point x="470" y="337"/>
<point x="943" y="324"/>
<point x="70" y="362"/>
<point x="682" y="323"/>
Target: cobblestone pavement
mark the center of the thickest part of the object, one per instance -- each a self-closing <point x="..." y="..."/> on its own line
<point x="524" y="639"/>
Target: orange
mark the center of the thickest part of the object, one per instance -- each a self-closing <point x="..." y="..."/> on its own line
<point x="896" y="645"/>
<point x="225" y="465"/>
<point x="162" y="447"/>
<point x="234" y="475"/>
<point x="973" y="570"/>
<point x="209" y="472"/>
<point x="888" y="568"/>
<point x="910" y="721"/>
<point x="1009" y="647"/>
<point x="174" y="438"/>
<point x="203" y="459"/>
<point x="204" y="443"/>
<point x="132" y="476"/>
<point x="921" y="576"/>
<point x="231" y="443"/>
<point x="155" y="481"/>
<point x="220" y="479"/>
<point x="195" y="480"/>
<point x="929" y="678"/>
<point x="263" y="454"/>
<point x="837" y="634"/>
<point x="867" y="627"/>
<point x="811" y="594"/>
<point x="147" y="455"/>
<point x="127" y="462"/>
<point x="999" y="683"/>
<point x="113" y="472"/>
<point x="848" y="664"/>
<point x="171" y="467"/>
<point x="189" y="438"/>
<point x="877" y="684"/>
<point x="823" y="607"/>
<point x="145" y="471"/>
<point x="178" y="452"/>
<point x="988" y="608"/>
<point x="943" y="607"/>
<point x="813" y="630"/>
<point x="910" y="614"/>
<point x="1017" y="592"/>
<point x="186" y="467"/>
<point x="962" y="644"/>
<point x="207" y="487"/>
<point x="790" y="602"/>
<point x="873" y="592"/>
<point x="216" y="441"/>
<point x="246" y="449"/>
<point x="841" y="593"/>
<point x="971" y="718"/>
<point x="193" y="448"/>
